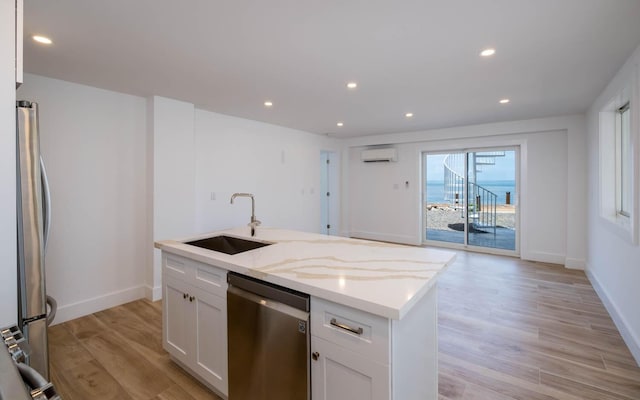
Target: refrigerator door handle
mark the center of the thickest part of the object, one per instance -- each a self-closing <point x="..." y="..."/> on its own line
<point x="46" y="207"/>
<point x="53" y="308"/>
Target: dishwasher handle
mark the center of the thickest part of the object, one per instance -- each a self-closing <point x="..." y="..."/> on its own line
<point x="269" y="290"/>
<point x="269" y="303"/>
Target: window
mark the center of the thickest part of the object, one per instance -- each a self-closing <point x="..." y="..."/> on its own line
<point x="619" y="161"/>
<point x="624" y="168"/>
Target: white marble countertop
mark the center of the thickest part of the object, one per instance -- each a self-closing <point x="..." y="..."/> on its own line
<point x="380" y="278"/>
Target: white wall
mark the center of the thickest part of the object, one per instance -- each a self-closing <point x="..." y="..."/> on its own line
<point x="8" y="269"/>
<point x="552" y="191"/>
<point x="93" y="143"/>
<point x="613" y="260"/>
<point x="381" y="206"/>
<point x="280" y="166"/>
<point x="545" y="210"/>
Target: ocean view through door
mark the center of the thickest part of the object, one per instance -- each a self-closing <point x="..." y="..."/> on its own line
<point x="470" y="199"/>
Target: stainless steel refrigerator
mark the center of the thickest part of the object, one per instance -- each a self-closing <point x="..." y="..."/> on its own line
<point x="34" y="216"/>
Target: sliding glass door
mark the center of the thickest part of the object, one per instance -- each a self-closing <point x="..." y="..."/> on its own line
<point x="470" y="198"/>
<point x="444" y="194"/>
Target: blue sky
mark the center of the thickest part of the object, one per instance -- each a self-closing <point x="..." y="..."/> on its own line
<point x="503" y="170"/>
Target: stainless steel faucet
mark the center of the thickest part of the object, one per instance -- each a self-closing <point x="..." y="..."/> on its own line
<point x="254" y="222"/>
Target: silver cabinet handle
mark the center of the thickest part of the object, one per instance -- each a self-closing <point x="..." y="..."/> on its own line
<point x="357" y="331"/>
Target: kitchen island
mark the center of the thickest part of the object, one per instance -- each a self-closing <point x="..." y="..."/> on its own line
<point x="384" y="293"/>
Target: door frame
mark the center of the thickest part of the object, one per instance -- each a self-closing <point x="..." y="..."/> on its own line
<point x="516" y="199"/>
<point x="329" y="183"/>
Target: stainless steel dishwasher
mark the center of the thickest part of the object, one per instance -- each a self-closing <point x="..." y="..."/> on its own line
<point x="268" y="338"/>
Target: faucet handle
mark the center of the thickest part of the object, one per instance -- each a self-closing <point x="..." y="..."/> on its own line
<point x="254" y="222"/>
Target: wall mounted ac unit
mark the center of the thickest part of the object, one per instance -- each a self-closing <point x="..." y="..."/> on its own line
<point x="379" y="155"/>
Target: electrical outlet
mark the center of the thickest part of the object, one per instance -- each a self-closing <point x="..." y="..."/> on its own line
<point x="213" y="196"/>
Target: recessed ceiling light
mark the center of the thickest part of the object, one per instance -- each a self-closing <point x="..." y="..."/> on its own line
<point x="408" y="115"/>
<point x="268" y="103"/>
<point x="487" y="52"/>
<point x="42" y="39"/>
<point x="340" y="124"/>
<point x="352" y="85"/>
<point x="504" y="101"/>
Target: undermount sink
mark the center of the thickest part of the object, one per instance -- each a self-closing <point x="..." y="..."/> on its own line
<point x="227" y="244"/>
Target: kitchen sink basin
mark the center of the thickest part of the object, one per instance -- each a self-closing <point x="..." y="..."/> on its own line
<point x="227" y="244"/>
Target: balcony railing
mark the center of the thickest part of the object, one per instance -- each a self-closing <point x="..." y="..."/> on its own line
<point x="481" y="206"/>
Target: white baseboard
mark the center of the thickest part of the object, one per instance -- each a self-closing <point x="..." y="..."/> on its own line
<point x="385" y="237"/>
<point x="539" y="256"/>
<point x="574" y="263"/>
<point x="630" y="338"/>
<point x="153" y="293"/>
<point x="68" y="312"/>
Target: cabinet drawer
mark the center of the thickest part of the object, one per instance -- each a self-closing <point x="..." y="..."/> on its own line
<point x="212" y="279"/>
<point x="207" y="277"/>
<point x="356" y="330"/>
<point x="175" y="266"/>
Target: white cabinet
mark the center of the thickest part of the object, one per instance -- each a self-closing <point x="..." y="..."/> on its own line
<point x="210" y="341"/>
<point x="357" y="355"/>
<point x="350" y="353"/>
<point x="354" y="354"/>
<point x="177" y="320"/>
<point x="195" y="318"/>
<point x="340" y="374"/>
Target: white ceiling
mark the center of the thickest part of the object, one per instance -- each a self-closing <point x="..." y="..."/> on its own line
<point x="553" y="56"/>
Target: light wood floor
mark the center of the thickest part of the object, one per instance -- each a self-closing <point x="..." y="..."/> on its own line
<point x="508" y="329"/>
<point x="117" y="354"/>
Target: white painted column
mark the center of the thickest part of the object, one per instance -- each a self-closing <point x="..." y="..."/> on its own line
<point x="170" y="181"/>
<point x="8" y="268"/>
<point x="577" y="196"/>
